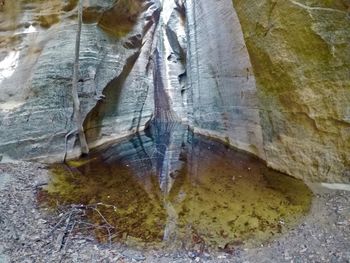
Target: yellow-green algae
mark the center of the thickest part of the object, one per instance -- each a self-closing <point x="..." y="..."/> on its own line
<point x="300" y="53"/>
<point x="218" y="198"/>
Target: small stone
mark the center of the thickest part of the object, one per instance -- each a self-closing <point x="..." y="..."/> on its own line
<point x="206" y="255"/>
<point x="134" y="255"/>
<point x="115" y="259"/>
<point x="303" y="250"/>
<point x="35" y="238"/>
<point x="42" y="221"/>
<point x="287" y="256"/>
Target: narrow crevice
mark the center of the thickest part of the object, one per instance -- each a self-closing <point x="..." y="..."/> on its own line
<point x="103" y="108"/>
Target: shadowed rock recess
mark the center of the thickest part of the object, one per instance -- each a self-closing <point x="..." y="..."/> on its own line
<point x="268" y="77"/>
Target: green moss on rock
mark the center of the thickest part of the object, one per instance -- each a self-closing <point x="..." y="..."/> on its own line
<point x="300" y="54"/>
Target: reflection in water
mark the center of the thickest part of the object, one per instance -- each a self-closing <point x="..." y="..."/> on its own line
<point x="175" y="189"/>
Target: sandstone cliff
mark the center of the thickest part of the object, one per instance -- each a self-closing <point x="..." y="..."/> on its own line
<point x="268" y="77"/>
<point x="300" y="51"/>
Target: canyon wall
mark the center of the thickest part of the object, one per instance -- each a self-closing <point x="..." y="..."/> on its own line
<point x="268" y="77"/>
<point x="223" y="97"/>
<point x="300" y="51"/>
<point x="36" y="110"/>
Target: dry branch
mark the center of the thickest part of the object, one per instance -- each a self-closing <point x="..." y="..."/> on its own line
<point x="71" y="219"/>
<point x="76" y="103"/>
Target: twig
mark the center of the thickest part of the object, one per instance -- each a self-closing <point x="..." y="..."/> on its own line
<point x="57" y="225"/>
<point x="66" y="228"/>
<point x="70" y="231"/>
<point x="107" y="205"/>
<point x="71" y="218"/>
<point x="104" y="219"/>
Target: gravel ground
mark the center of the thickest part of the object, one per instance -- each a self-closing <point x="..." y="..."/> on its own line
<point x="322" y="236"/>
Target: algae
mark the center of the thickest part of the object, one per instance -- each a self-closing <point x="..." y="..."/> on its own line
<point x="180" y="191"/>
<point x="299" y="52"/>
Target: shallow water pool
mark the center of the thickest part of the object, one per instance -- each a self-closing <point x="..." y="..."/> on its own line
<point x="168" y="187"/>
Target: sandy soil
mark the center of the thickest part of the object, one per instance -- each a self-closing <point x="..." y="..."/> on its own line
<point x="26" y="231"/>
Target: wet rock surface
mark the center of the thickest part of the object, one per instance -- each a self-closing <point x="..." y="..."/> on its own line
<point x="323" y="235"/>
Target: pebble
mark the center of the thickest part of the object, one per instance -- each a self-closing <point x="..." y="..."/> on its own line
<point x="35" y="237"/>
<point x="138" y="256"/>
<point x="116" y="258"/>
<point x="191" y="255"/>
<point x="42" y="221"/>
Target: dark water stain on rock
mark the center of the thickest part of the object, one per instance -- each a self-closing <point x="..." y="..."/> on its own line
<point x="170" y="188"/>
<point x="122" y="17"/>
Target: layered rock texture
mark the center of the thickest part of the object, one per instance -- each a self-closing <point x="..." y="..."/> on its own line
<point x="218" y="58"/>
<point x="268" y="77"/>
<point x="300" y="51"/>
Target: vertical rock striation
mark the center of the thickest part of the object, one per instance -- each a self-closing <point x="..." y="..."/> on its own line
<point x="269" y="77"/>
<point x="128" y="104"/>
<point x="36" y="115"/>
<point x="223" y="96"/>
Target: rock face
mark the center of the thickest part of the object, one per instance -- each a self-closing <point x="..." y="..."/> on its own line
<point x="36" y="113"/>
<point x="300" y="51"/>
<point x="223" y="96"/>
<point x="268" y="77"/>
